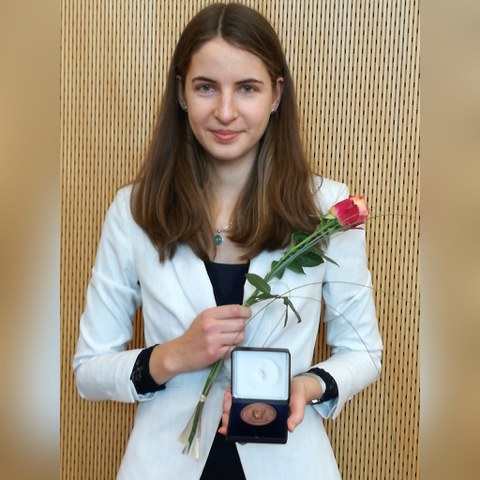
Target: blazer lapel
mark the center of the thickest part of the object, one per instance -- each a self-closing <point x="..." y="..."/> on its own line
<point x="193" y="279"/>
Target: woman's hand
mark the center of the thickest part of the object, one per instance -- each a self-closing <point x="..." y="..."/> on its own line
<point x="298" y="402"/>
<point x="213" y="334"/>
<point x="302" y="390"/>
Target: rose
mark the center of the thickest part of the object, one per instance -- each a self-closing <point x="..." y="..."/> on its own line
<point x="351" y="211"/>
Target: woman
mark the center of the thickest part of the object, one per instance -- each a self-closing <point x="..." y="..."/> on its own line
<point x="224" y="185"/>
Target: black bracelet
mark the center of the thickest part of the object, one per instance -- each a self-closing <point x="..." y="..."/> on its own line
<point x="331" y="390"/>
<point x="141" y="377"/>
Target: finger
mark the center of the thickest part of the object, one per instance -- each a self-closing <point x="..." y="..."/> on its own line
<point x="223" y="429"/>
<point x="297" y="412"/>
<point x="232" y="326"/>
<point x="293" y="422"/>
<point x="227" y="400"/>
<point x="226" y="405"/>
<point x="231" y="338"/>
<point x="232" y="312"/>
<point x="224" y="426"/>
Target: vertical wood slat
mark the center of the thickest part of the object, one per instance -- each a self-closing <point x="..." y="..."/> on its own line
<point x="355" y="65"/>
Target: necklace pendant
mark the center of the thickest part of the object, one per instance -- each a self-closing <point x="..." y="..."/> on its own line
<point x="218" y="237"/>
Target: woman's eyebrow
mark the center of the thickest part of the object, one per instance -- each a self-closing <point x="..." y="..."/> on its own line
<point x="201" y="78"/>
<point x="250" y="80"/>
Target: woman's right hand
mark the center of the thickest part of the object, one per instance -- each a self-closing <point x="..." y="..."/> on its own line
<point x="213" y="334"/>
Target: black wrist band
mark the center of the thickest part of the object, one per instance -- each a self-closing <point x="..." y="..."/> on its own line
<point x="331" y="390"/>
<point x="140" y="376"/>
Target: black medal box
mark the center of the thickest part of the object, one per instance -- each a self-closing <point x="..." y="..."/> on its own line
<point x="260" y="395"/>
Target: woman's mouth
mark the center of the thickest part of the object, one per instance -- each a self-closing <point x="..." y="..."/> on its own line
<point x="225" y="136"/>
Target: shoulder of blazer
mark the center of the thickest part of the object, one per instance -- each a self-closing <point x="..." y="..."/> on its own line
<point x="328" y="192"/>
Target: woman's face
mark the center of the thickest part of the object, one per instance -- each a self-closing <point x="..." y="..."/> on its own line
<point x="229" y="98"/>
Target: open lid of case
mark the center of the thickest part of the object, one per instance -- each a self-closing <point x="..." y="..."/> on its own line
<point x="261" y="373"/>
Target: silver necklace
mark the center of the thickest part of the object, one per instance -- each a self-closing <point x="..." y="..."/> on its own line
<point x="219" y="231"/>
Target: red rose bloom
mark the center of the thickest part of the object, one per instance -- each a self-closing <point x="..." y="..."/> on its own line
<point x="351" y="211"/>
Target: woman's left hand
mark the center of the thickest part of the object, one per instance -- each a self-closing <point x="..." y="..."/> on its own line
<point x="302" y="390"/>
<point x="298" y="401"/>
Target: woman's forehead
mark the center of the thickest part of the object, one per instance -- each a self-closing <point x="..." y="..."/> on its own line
<point x="219" y="57"/>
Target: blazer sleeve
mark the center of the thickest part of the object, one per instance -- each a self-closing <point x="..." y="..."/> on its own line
<point x="350" y="319"/>
<point x="102" y="365"/>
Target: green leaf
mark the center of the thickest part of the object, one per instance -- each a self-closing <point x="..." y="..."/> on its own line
<point x="266" y="296"/>
<point x="286" y="315"/>
<point x="328" y="259"/>
<point x="298" y="237"/>
<point x="296" y="266"/>
<point x="258" y="282"/>
<point x="311" y="258"/>
<point x="280" y="273"/>
<point x="290" y="305"/>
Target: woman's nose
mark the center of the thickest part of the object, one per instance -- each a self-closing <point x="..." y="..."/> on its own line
<point x="226" y="109"/>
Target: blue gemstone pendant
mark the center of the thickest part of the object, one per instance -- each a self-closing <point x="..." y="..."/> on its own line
<point x="218" y="239"/>
<point x="218" y="236"/>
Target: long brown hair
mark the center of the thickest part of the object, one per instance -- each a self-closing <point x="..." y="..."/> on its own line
<point x="170" y="195"/>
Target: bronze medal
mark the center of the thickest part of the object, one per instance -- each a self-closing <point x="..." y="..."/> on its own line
<point x="258" y="414"/>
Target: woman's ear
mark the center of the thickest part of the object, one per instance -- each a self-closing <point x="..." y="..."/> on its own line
<point x="277" y="93"/>
<point x="180" y="94"/>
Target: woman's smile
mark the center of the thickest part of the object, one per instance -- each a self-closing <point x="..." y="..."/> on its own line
<point x="225" y="136"/>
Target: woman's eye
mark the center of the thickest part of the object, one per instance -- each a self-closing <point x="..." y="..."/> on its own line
<point x="247" y="88"/>
<point x="205" y="88"/>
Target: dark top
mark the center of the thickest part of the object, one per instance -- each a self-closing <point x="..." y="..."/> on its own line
<point x="228" y="282"/>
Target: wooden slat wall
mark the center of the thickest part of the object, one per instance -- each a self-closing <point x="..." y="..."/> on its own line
<point x="356" y="69"/>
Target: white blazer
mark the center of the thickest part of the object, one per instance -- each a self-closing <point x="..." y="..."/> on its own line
<point x="127" y="274"/>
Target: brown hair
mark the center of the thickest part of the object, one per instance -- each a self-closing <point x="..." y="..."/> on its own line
<point x="170" y="194"/>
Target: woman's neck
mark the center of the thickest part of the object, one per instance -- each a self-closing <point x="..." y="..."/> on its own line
<point x="227" y="184"/>
<point x="225" y="197"/>
<point x="229" y="252"/>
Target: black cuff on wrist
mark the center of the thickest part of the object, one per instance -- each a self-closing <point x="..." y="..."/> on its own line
<point x="331" y="390"/>
<point x="140" y="376"/>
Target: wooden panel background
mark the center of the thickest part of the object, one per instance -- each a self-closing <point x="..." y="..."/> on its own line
<point x="355" y="64"/>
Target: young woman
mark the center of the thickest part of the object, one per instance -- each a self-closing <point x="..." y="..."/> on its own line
<point x="224" y="185"/>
